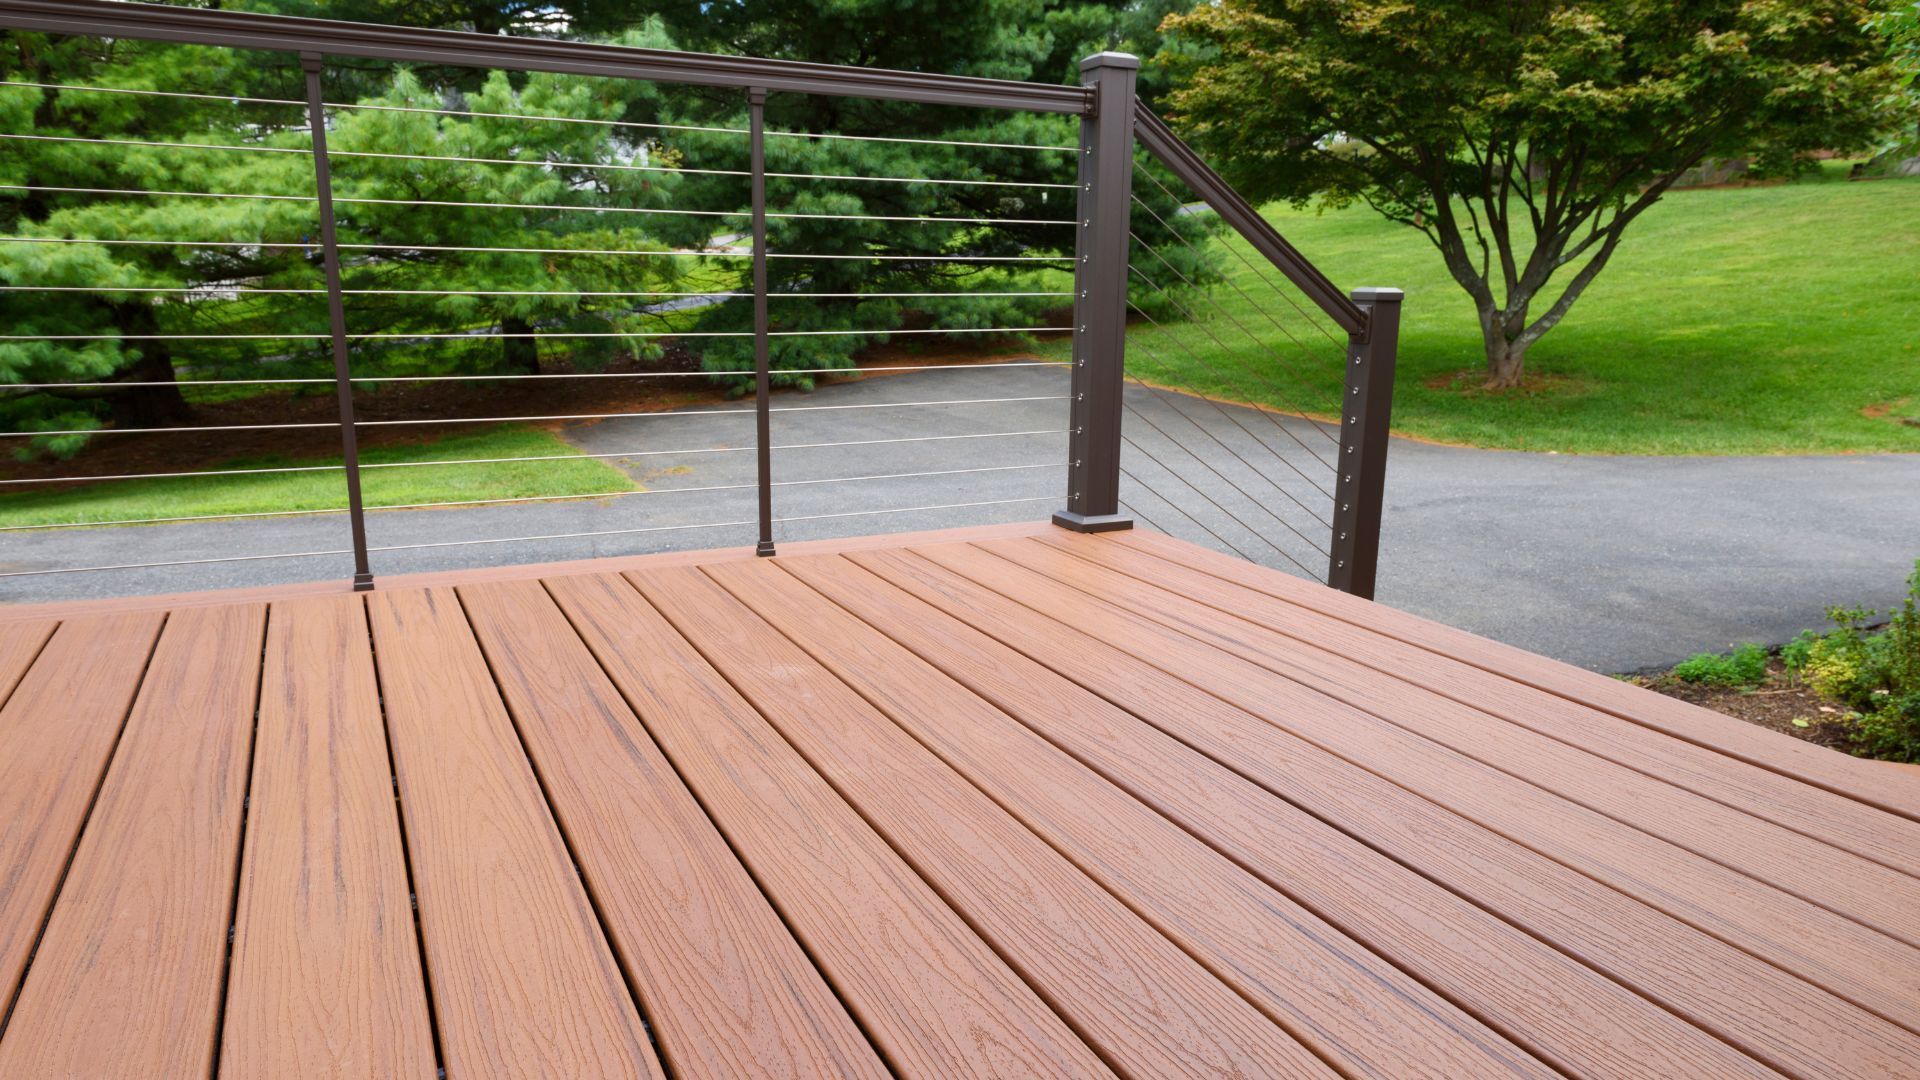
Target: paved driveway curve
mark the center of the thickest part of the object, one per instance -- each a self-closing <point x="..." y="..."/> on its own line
<point x="1613" y="563"/>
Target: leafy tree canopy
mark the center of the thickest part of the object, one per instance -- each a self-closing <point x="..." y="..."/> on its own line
<point x="1521" y="138"/>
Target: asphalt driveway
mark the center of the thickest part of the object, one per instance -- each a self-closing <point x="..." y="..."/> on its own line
<point x="1613" y="563"/>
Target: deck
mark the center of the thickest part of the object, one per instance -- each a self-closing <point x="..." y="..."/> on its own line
<point x="1021" y="802"/>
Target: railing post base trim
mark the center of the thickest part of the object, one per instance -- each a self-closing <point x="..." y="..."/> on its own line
<point x="1092" y="523"/>
<point x="363" y="583"/>
<point x="764" y="549"/>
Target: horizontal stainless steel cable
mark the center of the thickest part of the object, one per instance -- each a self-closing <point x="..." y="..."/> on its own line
<point x="364" y="466"/>
<point x="927" y="258"/>
<point x="516" y="539"/>
<point x="1282" y="428"/>
<point x="1207" y="465"/>
<point x="745" y="413"/>
<point x="505" y="501"/>
<point x="352" y="292"/>
<point x="1332" y="399"/>
<point x="923" y="180"/>
<point x="915" y="509"/>
<point x="343" y="200"/>
<point x="153" y="243"/>
<point x="663" y="253"/>
<point x="920" y="142"/>
<point x="173" y="562"/>
<point x="159" y="194"/>
<point x="240" y="147"/>
<point x="1251" y="265"/>
<point x="329" y="381"/>
<point x="1176" y="507"/>
<point x="224" y="98"/>
<point x="1235" y="354"/>
<point x="1257" y="534"/>
<point x="636" y="124"/>
<point x="555" y="335"/>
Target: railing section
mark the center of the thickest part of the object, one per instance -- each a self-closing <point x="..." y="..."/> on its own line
<point x="1304" y="485"/>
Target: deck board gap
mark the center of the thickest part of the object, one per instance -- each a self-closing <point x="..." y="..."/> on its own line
<point x="93" y="800"/>
<point x="6" y="693"/>
<point x="240" y="849"/>
<point x="773" y="902"/>
<point x="406" y="850"/>
<point x="567" y="841"/>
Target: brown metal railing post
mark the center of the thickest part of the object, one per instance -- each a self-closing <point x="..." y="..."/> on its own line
<point x="312" y="63"/>
<point x="1100" y="297"/>
<point x="1365" y="417"/>
<point x="762" y="352"/>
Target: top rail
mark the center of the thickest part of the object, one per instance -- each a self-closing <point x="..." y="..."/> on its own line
<point x="1154" y="134"/>
<point x="248" y="30"/>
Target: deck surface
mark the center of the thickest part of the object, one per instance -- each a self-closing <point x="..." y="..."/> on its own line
<point x="1020" y="803"/>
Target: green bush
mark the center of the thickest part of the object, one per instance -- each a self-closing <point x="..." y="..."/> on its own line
<point x="1876" y="675"/>
<point x="1745" y="666"/>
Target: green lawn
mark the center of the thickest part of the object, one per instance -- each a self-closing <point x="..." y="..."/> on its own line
<point x="1731" y="321"/>
<point x="124" y="499"/>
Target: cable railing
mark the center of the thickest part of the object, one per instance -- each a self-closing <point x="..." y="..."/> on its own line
<point x="361" y="278"/>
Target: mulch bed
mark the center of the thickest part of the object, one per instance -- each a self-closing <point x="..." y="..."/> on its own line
<point x="1775" y="704"/>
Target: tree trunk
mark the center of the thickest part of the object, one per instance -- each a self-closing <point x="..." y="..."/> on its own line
<point x="519" y="353"/>
<point x="1506" y="359"/>
<point x="1506" y="362"/>
<point x="148" y="406"/>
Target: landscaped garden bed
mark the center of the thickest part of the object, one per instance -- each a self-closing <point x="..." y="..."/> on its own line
<point x="1854" y="686"/>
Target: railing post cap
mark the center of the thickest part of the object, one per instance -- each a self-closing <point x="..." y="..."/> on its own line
<point x="1374" y="294"/>
<point x="1110" y="59"/>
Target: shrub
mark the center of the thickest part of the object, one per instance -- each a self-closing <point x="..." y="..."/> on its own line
<point x="1745" y="666"/>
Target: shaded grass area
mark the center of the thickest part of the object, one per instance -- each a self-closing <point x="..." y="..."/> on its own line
<point x="187" y="496"/>
<point x="1759" y="320"/>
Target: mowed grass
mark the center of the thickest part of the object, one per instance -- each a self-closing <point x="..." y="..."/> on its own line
<point x="117" y="500"/>
<point x="1763" y="320"/>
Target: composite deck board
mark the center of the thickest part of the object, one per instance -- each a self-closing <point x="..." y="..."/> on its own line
<point x="1868" y="892"/>
<point x="20" y="643"/>
<point x="1148" y="1007"/>
<point x="728" y="990"/>
<point x="523" y="981"/>
<point x="1866" y="782"/>
<point x="127" y="979"/>
<point x="1774" y="1015"/>
<point x="928" y="991"/>
<point x="1864" y="830"/>
<point x="1007" y="801"/>
<point x="1570" y="1015"/>
<point x="57" y="732"/>
<point x="325" y="979"/>
<point x="1328" y="990"/>
<point x="1844" y="956"/>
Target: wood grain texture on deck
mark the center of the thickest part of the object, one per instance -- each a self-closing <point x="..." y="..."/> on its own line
<point x="1866" y="967"/>
<point x="729" y="991"/>
<point x="326" y="978"/>
<point x="1010" y="802"/>
<point x="523" y="981"/>
<point x="57" y="732"/>
<point x="930" y="993"/>
<point x="127" y="980"/>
